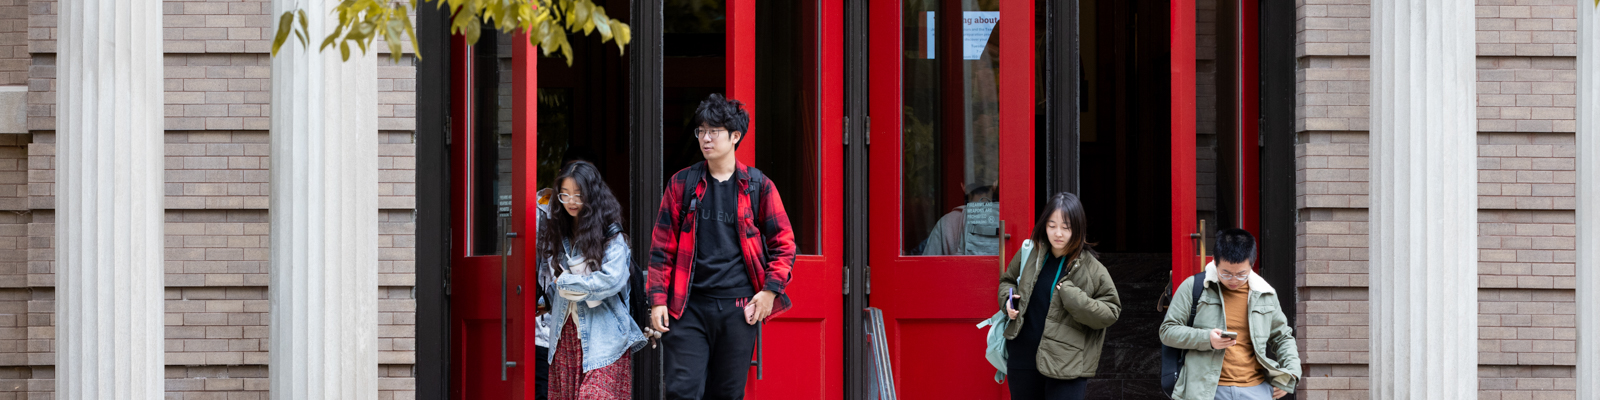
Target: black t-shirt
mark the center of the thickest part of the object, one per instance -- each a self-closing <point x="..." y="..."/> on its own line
<point x="719" y="270"/>
<point x="1023" y="350"/>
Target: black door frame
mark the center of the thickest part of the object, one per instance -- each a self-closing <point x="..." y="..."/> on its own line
<point x="433" y="205"/>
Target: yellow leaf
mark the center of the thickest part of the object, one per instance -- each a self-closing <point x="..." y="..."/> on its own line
<point x="623" y="35"/>
<point x="284" y="24"/>
<point x="411" y="31"/>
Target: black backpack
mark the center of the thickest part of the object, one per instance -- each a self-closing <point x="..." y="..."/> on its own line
<point x="636" y="279"/>
<point x="1172" y="357"/>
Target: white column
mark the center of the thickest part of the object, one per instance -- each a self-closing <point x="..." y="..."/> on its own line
<point x="324" y="242"/>
<point x="109" y="215"/>
<point x="1588" y="202"/>
<point x="1423" y="215"/>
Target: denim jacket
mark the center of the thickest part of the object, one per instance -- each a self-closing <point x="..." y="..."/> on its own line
<point x="606" y="330"/>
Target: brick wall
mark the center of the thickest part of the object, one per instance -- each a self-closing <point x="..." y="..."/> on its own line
<point x="1526" y="180"/>
<point x="217" y="82"/>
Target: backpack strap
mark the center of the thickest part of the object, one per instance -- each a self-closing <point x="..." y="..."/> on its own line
<point x="757" y="180"/>
<point x="689" y="203"/>
<point x="1199" y="288"/>
<point x="612" y="231"/>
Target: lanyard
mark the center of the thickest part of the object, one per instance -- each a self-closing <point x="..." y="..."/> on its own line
<point x="1058" y="277"/>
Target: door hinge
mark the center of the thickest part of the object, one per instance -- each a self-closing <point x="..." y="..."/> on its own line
<point x="1261" y="134"/>
<point x="847" y="280"/>
<point x="869" y="139"/>
<point x="868" y="278"/>
<point x="846" y="131"/>
<point x="448" y="134"/>
<point x="448" y="238"/>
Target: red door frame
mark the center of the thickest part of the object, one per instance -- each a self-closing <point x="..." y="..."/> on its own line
<point x="1249" y="150"/>
<point x="1185" y="258"/>
<point x="817" y="316"/>
<point x="740" y="62"/>
<point x="1184" y="220"/>
<point x="905" y="287"/>
<point x="475" y="280"/>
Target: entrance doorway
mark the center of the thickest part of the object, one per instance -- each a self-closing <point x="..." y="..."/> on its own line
<point x="952" y="134"/>
<point x="519" y="116"/>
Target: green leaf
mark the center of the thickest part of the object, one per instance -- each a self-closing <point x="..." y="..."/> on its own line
<point x="332" y="38"/>
<point x="303" y="20"/>
<point x="285" y="22"/>
<point x="302" y="36"/>
<point x="411" y="32"/>
<point x="344" y="51"/>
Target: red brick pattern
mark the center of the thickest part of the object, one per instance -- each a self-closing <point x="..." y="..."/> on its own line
<point x="1526" y="94"/>
<point x="1526" y="28"/>
<point x="1526" y="194"/>
<point x="13" y="43"/>
<point x="1331" y="170"/>
<point x="1526" y="383"/>
<point x="1332" y="94"/>
<point x="1333" y="28"/>
<point x="217" y="326"/>
<point x="1527" y="171"/>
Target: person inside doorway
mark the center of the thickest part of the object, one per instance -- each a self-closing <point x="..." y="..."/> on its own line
<point x="720" y="258"/>
<point x="586" y="252"/>
<point x="1240" y="345"/>
<point x="1062" y="294"/>
<point x="970" y="229"/>
<point x="541" y="323"/>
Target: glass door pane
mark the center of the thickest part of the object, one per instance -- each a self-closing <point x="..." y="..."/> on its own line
<point x="950" y="127"/>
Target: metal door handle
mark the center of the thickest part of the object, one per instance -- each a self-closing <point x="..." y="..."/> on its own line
<point x="1001" y="235"/>
<point x="505" y="249"/>
<point x="760" y="371"/>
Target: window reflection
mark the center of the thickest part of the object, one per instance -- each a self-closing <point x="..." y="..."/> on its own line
<point x="950" y="73"/>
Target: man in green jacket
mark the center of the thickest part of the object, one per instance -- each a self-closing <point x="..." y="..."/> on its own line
<point x="1240" y="346"/>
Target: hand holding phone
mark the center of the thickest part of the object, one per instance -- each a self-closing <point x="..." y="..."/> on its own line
<point x="1011" y="308"/>
<point x="1222" y="340"/>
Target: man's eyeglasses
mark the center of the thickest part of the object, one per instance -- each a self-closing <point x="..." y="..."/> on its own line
<point x="704" y="133"/>
<point x="574" y="199"/>
<point x="1231" y="277"/>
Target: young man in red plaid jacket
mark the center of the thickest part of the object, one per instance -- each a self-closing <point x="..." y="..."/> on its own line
<point x="718" y="264"/>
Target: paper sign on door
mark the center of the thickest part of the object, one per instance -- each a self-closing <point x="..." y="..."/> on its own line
<point x="976" y="27"/>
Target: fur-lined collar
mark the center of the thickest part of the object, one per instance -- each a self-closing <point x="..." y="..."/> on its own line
<point x="1256" y="283"/>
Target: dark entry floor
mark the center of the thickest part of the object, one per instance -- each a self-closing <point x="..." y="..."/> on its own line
<point x="1131" y="359"/>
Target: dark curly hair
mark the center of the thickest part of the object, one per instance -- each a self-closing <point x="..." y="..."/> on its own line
<point x="587" y="231"/>
<point x="720" y="112"/>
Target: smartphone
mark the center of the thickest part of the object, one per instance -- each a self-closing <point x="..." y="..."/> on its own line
<point x="1010" y="293"/>
<point x="1230" y="335"/>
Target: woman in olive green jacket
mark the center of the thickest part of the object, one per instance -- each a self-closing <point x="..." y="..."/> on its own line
<point x="1060" y="300"/>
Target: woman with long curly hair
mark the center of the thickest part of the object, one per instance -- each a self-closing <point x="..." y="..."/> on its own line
<point x="583" y="247"/>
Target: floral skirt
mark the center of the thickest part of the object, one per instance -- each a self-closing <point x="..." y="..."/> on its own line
<point x="569" y="382"/>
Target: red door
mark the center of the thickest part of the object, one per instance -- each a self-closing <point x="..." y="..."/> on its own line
<point x="1185" y="222"/>
<point x="952" y="126"/>
<point x="492" y="155"/>
<point x="798" y="144"/>
<point x="1231" y="160"/>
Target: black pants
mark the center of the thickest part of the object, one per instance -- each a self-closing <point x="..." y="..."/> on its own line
<point x="707" y="352"/>
<point x="541" y="373"/>
<point x="1029" y="384"/>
